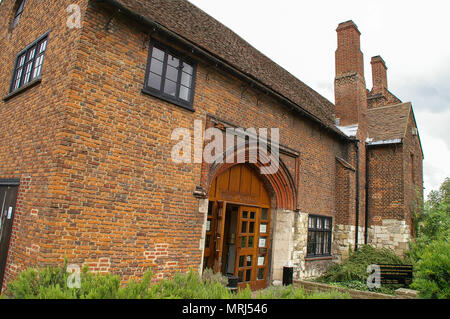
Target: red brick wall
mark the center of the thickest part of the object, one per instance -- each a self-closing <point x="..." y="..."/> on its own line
<point x="412" y="172"/>
<point x="105" y="188"/>
<point x="31" y="124"/>
<point x="386" y="195"/>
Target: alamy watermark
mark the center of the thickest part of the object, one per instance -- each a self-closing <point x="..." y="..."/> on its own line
<point x="229" y="147"/>
<point x="374" y="279"/>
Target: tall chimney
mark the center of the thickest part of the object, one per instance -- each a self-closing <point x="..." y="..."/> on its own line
<point x="379" y="76"/>
<point x="350" y="88"/>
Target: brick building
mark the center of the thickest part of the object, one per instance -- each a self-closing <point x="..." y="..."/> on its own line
<point x="86" y="172"/>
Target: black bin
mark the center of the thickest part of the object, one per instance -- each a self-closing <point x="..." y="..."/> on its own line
<point x="233" y="283"/>
<point x="288" y="274"/>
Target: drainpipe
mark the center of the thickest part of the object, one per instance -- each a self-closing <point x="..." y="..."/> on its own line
<point x="366" y="223"/>
<point x="357" y="194"/>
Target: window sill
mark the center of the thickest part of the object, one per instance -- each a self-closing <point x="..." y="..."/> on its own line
<point x="173" y="101"/>
<point x="22" y="89"/>
<point x="318" y="258"/>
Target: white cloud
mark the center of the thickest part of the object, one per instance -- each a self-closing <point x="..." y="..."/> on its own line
<point x="410" y="35"/>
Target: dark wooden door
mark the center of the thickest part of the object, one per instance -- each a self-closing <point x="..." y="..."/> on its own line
<point x="8" y="196"/>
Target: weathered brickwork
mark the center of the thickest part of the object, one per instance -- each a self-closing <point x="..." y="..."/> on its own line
<point x="31" y="124"/>
<point x="93" y="152"/>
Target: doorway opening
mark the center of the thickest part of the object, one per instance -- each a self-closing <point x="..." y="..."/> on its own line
<point x="238" y="227"/>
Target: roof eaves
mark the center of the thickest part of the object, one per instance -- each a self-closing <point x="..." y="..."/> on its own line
<point x="229" y="66"/>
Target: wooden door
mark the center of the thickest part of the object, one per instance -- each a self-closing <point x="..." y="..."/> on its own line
<point x="8" y="196"/>
<point x="246" y="244"/>
<point x="240" y="186"/>
<point x="221" y="209"/>
<point x="252" y="247"/>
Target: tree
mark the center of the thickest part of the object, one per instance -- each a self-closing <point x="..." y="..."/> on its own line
<point x="430" y="253"/>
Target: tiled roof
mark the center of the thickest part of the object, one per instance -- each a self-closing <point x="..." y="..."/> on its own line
<point x="194" y="25"/>
<point x="388" y="123"/>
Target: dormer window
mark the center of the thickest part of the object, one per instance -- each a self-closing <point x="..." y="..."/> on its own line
<point x="18" y="13"/>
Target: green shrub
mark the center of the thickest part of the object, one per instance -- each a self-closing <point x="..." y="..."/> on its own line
<point x="51" y="283"/>
<point x="290" y="292"/>
<point x="355" y="267"/>
<point x="430" y="253"/>
<point x="432" y="270"/>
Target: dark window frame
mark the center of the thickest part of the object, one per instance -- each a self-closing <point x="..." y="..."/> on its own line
<point x="160" y="93"/>
<point x="18" y="12"/>
<point x="37" y="55"/>
<point x="321" y="232"/>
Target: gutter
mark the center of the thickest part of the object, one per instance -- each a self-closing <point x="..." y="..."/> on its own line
<point x="366" y="219"/>
<point x="220" y="62"/>
<point x="357" y="194"/>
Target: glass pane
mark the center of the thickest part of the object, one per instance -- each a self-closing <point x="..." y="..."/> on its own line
<point x="154" y="81"/>
<point x="326" y="237"/>
<point x="38" y="66"/>
<point x="17" y="81"/>
<point x="241" y="276"/>
<point x="245" y="214"/>
<point x="208" y="225"/>
<point x="262" y="242"/>
<point x="241" y="261"/>
<point x="210" y="208"/>
<point x="21" y="60"/>
<point x="260" y="274"/>
<point x="263" y="228"/>
<point x="327" y="224"/>
<point x="207" y="241"/>
<point x="244" y="227"/>
<point x="249" y="260"/>
<point x="252" y="215"/>
<point x="250" y="241"/>
<point x="319" y="223"/>
<point x="243" y="241"/>
<point x="261" y="260"/>
<point x="31" y="54"/>
<point x="156" y="66"/>
<point x="184" y="93"/>
<point x="188" y="68"/>
<point x="43" y="46"/>
<point x="248" y="275"/>
<point x="27" y="73"/>
<point x="311" y="222"/>
<point x="172" y="73"/>
<point x="158" y="54"/>
<point x="170" y="87"/>
<point x="319" y="244"/>
<point x="310" y="243"/>
<point x="171" y="60"/>
<point x="186" y="79"/>
<point x="265" y="214"/>
<point x="251" y="228"/>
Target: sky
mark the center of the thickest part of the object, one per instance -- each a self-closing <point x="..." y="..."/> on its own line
<point x="411" y="36"/>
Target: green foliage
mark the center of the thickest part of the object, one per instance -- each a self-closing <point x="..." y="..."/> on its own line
<point x="430" y="253"/>
<point x="432" y="273"/>
<point x="359" y="285"/>
<point x="355" y="267"/>
<point x="51" y="283"/>
<point x="290" y="292"/>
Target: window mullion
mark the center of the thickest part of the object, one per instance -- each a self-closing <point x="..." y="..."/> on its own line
<point x="164" y="72"/>
<point x="180" y="70"/>
<point x="24" y="67"/>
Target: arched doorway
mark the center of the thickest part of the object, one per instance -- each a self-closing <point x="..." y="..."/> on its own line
<point x="238" y="226"/>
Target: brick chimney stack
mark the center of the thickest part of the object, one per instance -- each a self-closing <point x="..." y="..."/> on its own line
<point x="379" y="76"/>
<point x="350" y="88"/>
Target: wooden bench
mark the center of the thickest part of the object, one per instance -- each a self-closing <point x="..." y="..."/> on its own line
<point x="396" y="274"/>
